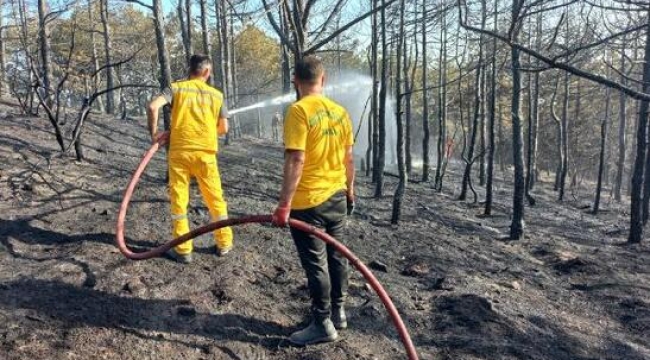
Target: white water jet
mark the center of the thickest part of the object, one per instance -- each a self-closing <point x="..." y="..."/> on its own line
<point x="276" y="101"/>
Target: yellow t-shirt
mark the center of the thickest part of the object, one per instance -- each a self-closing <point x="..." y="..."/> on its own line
<point x="196" y="108"/>
<point x="323" y="130"/>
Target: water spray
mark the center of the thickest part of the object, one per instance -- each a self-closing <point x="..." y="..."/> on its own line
<point x="287" y="98"/>
<point x="276" y="101"/>
<point x="160" y="250"/>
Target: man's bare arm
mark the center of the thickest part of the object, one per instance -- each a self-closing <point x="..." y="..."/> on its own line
<point x="293" y="164"/>
<point x="152" y="115"/>
<point x="350" y="172"/>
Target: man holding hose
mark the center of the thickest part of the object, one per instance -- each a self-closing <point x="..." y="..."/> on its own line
<point x="199" y="115"/>
<point x="318" y="188"/>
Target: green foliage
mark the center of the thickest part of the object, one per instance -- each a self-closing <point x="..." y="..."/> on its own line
<point x="258" y="61"/>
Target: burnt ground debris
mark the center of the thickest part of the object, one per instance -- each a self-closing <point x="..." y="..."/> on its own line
<point x="570" y="290"/>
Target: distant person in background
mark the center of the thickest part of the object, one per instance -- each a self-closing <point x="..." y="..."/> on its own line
<point x="318" y="188"/>
<point x="275" y="125"/>
<point x="199" y="115"/>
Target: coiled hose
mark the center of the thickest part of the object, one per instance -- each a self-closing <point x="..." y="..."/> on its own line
<point x="160" y="250"/>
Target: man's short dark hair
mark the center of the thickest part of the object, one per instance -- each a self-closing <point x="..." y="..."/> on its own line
<point x="309" y="69"/>
<point x="198" y="63"/>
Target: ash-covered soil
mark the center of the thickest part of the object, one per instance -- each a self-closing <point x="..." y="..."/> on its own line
<point x="570" y="290"/>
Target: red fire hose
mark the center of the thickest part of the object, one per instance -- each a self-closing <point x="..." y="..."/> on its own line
<point x="160" y="250"/>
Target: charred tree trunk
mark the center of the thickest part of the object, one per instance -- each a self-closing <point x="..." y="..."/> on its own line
<point x="576" y="119"/>
<point x="407" y="105"/>
<point x="469" y="156"/>
<point x="224" y="51"/>
<point x="286" y="58"/>
<point x="622" y="124"/>
<point x="95" y="57"/>
<point x="205" y="32"/>
<point x="373" y="135"/>
<point x="633" y="147"/>
<point x="409" y="86"/>
<point x="401" y="166"/>
<point x="381" y="149"/>
<point x="163" y="56"/>
<point x="44" y="47"/>
<point x="392" y="76"/>
<point x="603" y="151"/>
<point x="219" y="58"/>
<point x="108" y="50"/>
<point x="189" y="26"/>
<point x="180" y="12"/>
<point x="233" y="77"/>
<point x="558" y="124"/>
<point x="502" y="140"/>
<point x="531" y="173"/>
<point x="78" y="149"/>
<point x="120" y="94"/>
<point x="476" y="117"/>
<point x="517" y="226"/>
<point x="564" y="140"/>
<point x="636" y="212"/>
<point x="27" y="104"/>
<point x="482" y="109"/>
<point x="425" y="99"/>
<point x="369" y="155"/>
<point x="646" y="188"/>
<point x="442" y="106"/>
<point x="83" y="114"/>
<point x="491" y="140"/>
<point x="481" y="135"/>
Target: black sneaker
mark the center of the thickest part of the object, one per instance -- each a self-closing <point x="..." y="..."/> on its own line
<point x="181" y="258"/>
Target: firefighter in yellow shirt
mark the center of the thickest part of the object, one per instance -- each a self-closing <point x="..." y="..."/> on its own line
<point x="199" y="116"/>
<point x="318" y="188"/>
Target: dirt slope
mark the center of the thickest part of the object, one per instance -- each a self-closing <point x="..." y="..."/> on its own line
<point x="570" y="290"/>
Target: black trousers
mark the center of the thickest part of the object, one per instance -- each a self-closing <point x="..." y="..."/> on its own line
<point x="326" y="269"/>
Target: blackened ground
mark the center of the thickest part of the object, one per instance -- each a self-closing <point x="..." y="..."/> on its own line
<point x="570" y="290"/>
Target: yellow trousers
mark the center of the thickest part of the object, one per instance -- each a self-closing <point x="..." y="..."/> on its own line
<point x="202" y="165"/>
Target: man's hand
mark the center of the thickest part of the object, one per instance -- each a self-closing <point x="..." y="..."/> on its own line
<point x="281" y="216"/>
<point x="350" y="200"/>
<point x="160" y="136"/>
<point x="222" y="126"/>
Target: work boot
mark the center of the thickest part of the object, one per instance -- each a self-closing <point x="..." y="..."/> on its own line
<point x="339" y="319"/>
<point x="318" y="331"/>
<point x="181" y="258"/>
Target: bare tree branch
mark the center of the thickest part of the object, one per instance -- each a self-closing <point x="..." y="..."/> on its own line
<point x="330" y="18"/>
<point x="85" y="109"/>
<point x="346" y="27"/>
<point x="531" y="13"/>
<point x="276" y="27"/>
<point x="557" y="31"/>
<point x="643" y="7"/>
<point x="150" y="7"/>
<point x="305" y="15"/>
<point x="66" y="73"/>
<point x="556" y="64"/>
<point x="121" y="62"/>
<point x="599" y="42"/>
